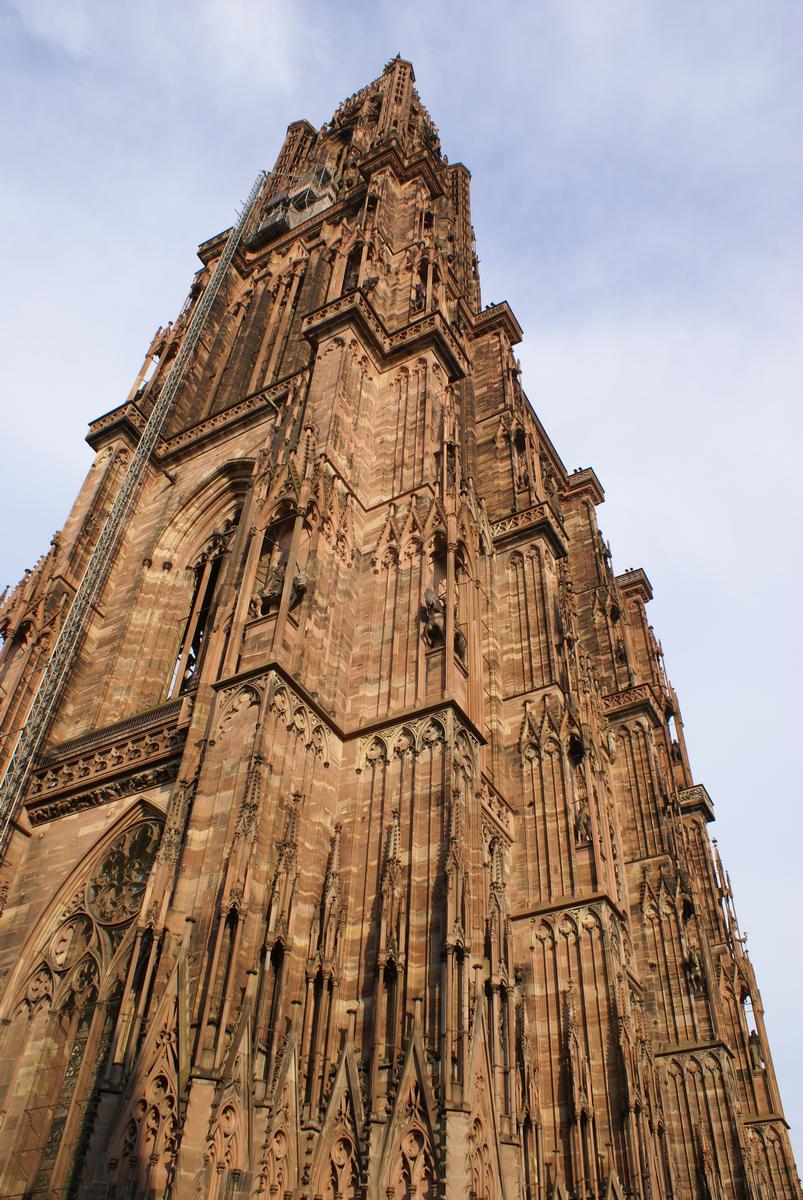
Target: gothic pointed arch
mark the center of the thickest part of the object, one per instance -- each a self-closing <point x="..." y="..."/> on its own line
<point x="338" y="1170"/>
<point x="410" y="1165"/>
<point x="484" y="1159"/>
<point x="140" y="1150"/>
<point x="280" y="1154"/>
<point x="613" y="1188"/>
<point x="214" y="499"/>
<point x="227" y="1154"/>
<point x="96" y="903"/>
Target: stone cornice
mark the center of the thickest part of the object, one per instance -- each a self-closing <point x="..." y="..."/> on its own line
<point x="247" y="408"/>
<point x="107" y="764"/>
<point x="497" y="317"/>
<point x="572" y="904"/>
<point x="356" y="731"/>
<point x="430" y="330"/>
<point x="408" y="714"/>
<point x="584" y="482"/>
<point x="103" y="792"/>
<point x="129" y="419"/>
<point x="679" y="1049"/>
<point x="538" y="521"/>
<point x="642" y="698"/>
<point x="167" y="713"/>
<point x="695" y="799"/>
<point x="769" y="1118"/>
<point x="422" y="166"/>
<point x="126" y="419"/>
<point x="635" y="583"/>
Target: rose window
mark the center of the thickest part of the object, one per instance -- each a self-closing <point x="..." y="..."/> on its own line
<point x="116" y="892"/>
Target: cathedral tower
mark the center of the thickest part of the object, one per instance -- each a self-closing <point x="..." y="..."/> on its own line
<point x="362" y="856"/>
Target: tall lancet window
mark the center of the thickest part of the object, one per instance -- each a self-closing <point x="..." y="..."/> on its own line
<point x="351" y="276"/>
<point x="206" y="578"/>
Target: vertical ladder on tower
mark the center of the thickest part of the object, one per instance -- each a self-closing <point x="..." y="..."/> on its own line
<point x="72" y="632"/>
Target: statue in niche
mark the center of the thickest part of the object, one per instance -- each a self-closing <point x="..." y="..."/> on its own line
<point x="694" y="969"/>
<point x="298" y="589"/>
<point x="449" y="417"/>
<point x="582" y="822"/>
<point x="460" y="642"/>
<point x="521" y="473"/>
<point x="271" y="594"/>
<point x="756" y="1056"/>
<point x="451" y="464"/>
<point x="549" y="477"/>
<point x="433" y="614"/>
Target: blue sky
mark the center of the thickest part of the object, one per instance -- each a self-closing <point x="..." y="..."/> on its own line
<point x="637" y="188"/>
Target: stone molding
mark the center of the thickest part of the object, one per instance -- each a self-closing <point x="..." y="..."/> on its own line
<point x="113" y="789"/>
<point x="430" y="330"/>
<point x="584" y="482"/>
<point x="110" y="760"/>
<point x="249" y="406"/>
<point x="539" y="520"/>
<point x="498" y="316"/>
<point x="497" y="813"/>
<point x="276" y="693"/>
<point x="162" y="715"/>
<point x="418" y="733"/>
<point x="642" y="698"/>
<point x="696" y="799"/>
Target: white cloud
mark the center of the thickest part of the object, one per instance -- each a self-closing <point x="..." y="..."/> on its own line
<point x="64" y="25"/>
<point x="257" y="44"/>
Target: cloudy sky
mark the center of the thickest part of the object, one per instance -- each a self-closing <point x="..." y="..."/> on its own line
<point x="637" y="190"/>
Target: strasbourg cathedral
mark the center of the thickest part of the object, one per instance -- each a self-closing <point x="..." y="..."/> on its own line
<point x="361" y="856"/>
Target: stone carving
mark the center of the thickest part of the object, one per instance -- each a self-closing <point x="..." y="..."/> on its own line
<point x="69" y="942"/>
<point x="70" y="767"/>
<point x="485" y="1065"/>
<point x="442" y="727"/>
<point x="295" y="714"/>
<point x="433" y="615"/>
<point x="582" y="823"/>
<point x="118" y="789"/>
<point x="298" y="589"/>
<point x="39" y="992"/>
<point x="269" y="596"/>
<point x="538" y="518"/>
<point x="756" y="1054"/>
<point x="115" y="894"/>
<point x="694" y="970"/>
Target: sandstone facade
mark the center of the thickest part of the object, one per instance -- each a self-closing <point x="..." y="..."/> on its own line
<point x="364" y="858"/>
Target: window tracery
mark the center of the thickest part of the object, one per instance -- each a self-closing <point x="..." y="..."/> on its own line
<point x="206" y="576"/>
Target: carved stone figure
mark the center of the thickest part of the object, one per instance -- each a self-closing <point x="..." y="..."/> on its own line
<point x="298" y="589"/>
<point x="270" y="595"/>
<point x="754" y="1046"/>
<point x="583" y="832"/>
<point x="433" y="614"/>
<point x="694" y="969"/>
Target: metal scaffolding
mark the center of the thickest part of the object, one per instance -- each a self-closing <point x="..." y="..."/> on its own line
<point x="72" y="632"/>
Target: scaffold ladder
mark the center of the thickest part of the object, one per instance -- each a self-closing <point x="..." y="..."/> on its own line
<point x="88" y="592"/>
